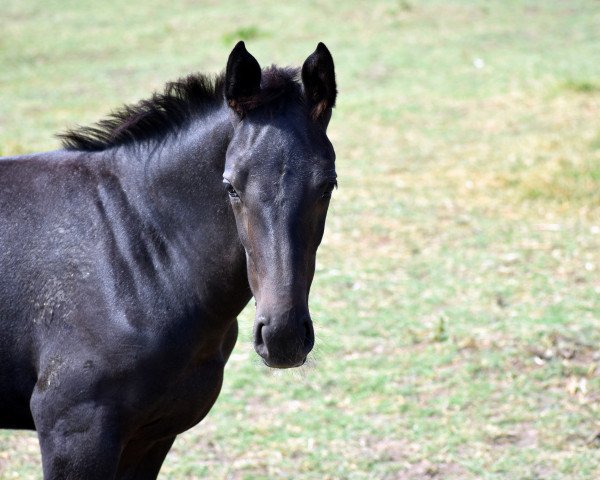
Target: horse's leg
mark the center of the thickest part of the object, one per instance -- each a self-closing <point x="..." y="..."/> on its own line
<point x="78" y="441"/>
<point x="141" y="462"/>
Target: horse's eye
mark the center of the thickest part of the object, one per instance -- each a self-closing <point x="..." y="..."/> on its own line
<point x="329" y="190"/>
<point x="230" y="190"/>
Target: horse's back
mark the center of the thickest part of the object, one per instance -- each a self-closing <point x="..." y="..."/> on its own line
<point x="46" y="214"/>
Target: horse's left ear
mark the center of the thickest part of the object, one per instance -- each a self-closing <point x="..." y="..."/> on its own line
<point x="318" y="77"/>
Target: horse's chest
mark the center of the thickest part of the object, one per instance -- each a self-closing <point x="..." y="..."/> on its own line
<point x="183" y="403"/>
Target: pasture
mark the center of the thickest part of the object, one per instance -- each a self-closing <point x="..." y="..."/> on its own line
<point x="457" y="295"/>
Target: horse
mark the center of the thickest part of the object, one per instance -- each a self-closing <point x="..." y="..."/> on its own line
<point x="127" y="255"/>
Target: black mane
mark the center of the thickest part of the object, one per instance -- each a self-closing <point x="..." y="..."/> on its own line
<point x="168" y="110"/>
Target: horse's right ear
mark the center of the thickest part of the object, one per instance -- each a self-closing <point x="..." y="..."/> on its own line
<point x="242" y="78"/>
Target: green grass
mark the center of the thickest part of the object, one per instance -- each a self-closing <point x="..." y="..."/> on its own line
<point x="457" y="295"/>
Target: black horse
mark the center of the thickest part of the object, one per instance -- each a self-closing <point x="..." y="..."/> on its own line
<point x="126" y="257"/>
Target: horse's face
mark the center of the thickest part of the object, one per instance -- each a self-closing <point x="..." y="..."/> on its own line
<point x="280" y="174"/>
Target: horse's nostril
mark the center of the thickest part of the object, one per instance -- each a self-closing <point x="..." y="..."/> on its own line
<point x="309" y="335"/>
<point x="258" y="333"/>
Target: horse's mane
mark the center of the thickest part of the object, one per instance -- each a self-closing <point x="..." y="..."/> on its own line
<point x="170" y="109"/>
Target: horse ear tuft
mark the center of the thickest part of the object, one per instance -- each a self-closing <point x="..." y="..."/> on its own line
<point x="242" y="77"/>
<point x="318" y="77"/>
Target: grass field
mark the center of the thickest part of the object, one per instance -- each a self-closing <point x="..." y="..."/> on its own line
<point x="457" y="295"/>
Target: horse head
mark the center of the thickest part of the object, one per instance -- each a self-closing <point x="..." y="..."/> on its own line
<point x="280" y="174"/>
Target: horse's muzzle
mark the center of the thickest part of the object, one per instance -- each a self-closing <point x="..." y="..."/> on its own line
<point x="284" y="341"/>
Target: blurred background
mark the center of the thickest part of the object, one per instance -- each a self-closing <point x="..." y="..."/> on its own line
<point x="457" y="295"/>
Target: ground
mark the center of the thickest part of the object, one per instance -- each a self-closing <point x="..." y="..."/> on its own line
<point x="457" y="294"/>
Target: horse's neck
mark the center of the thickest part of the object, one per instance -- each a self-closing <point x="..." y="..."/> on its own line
<point x="176" y="184"/>
<point x="177" y="178"/>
